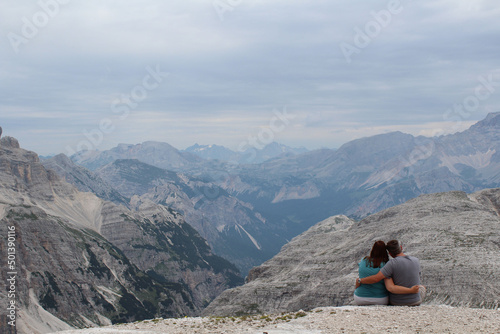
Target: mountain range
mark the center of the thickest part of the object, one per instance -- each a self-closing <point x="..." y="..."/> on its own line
<point x="289" y="193"/>
<point x="193" y="158"/>
<point x="146" y="230"/>
<point x="82" y="261"/>
<point x="230" y="225"/>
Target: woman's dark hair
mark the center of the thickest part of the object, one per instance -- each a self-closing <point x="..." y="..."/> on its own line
<point x="378" y="255"/>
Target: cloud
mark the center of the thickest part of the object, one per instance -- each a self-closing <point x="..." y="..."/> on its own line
<point x="226" y="76"/>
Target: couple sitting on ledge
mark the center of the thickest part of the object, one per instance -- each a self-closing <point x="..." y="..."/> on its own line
<point x="389" y="282"/>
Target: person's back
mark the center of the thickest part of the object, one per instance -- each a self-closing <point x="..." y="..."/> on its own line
<point x="373" y="294"/>
<point x="405" y="271"/>
<point x="376" y="290"/>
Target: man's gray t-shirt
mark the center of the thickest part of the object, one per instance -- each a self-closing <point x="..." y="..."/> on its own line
<point x="405" y="271"/>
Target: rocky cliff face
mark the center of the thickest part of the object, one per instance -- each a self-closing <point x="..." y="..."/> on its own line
<point x="84" y="261"/>
<point x="161" y="243"/>
<point x="455" y="236"/>
<point x="67" y="276"/>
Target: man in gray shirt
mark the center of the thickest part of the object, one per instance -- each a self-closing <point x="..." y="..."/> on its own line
<point x="401" y="270"/>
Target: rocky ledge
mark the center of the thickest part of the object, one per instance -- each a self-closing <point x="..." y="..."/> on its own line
<point x="347" y="319"/>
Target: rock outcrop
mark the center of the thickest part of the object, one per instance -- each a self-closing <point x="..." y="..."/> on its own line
<point x="456" y="237"/>
<point x="359" y="319"/>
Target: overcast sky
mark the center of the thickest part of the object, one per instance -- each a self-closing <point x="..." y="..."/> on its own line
<point x="92" y="74"/>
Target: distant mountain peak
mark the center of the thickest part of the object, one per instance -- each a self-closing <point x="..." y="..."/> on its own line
<point x="492" y="114"/>
<point x="491" y="120"/>
<point x="158" y="154"/>
<point x="61" y="157"/>
<point x="212" y="152"/>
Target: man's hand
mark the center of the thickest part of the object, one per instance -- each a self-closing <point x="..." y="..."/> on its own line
<point x="400" y="290"/>
<point x="415" y="289"/>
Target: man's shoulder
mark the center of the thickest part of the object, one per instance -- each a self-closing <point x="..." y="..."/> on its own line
<point x="413" y="258"/>
<point x="406" y="261"/>
<point x="400" y="260"/>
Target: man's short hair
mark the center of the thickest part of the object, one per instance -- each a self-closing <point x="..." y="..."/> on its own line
<point x="393" y="247"/>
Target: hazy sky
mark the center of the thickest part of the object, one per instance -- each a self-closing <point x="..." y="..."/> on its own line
<point x="92" y="74"/>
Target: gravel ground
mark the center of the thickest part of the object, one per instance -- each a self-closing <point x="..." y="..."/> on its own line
<point x="347" y="319"/>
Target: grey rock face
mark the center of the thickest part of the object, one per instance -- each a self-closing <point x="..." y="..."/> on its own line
<point x="159" y="242"/>
<point x="456" y="237"/>
<point x="9" y="142"/>
<point x="129" y="265"/>
<point x="70" y="276"/>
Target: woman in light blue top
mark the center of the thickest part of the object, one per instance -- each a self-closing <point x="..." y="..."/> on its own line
<point x="375" y="294"/>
